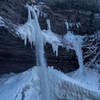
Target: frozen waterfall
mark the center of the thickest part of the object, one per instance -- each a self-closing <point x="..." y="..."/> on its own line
<point x="74" y="42"/>
<point x="31" y="31"/>
<point x="40" y="82"/>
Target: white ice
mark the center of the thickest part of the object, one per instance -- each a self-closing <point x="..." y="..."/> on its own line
<point x="74" y="42"/>
<point x="26" y="30"/>
<point x="26" y="86"/>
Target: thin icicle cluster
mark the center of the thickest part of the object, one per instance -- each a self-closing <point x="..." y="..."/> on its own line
<point x="70" y="24"/>
<point x="25" y="86"/>
<point x="51" y="38"/>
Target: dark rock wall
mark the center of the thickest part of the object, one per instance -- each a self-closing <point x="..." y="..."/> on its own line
<point x="92" y="5"/>
<point x="58" y="17"/>
<point x="66" y="61"/>
<point x="13" y="10"/>
<point x="16" y="57"/>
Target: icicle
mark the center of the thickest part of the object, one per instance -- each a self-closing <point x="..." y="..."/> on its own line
<point x="67" y="25"/>
<point x="48" y="23"/>
<point x="55" y="48"/>
<point x="52" y="39"/>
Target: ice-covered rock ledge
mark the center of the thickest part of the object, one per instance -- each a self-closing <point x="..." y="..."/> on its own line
<point x="25" y="86"/>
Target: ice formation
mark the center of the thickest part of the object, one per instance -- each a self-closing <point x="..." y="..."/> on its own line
<point x="51" y="38"/>
<point x="40" y="83"/>
<point x="26" y="86"/>
<point x="31" y="31"/>
<point x="74" y="42"/>
<point x="29" y="34"/>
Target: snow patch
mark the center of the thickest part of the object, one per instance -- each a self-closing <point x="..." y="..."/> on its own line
<point x="2" y="22"/>
<point x="26" y="86"/>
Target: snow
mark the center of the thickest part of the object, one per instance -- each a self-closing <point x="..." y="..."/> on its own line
<point x="19" y="86"/>
<point x="90" y="78"/>
<point x="26" y="85"/>
<point x="2" y="22"/>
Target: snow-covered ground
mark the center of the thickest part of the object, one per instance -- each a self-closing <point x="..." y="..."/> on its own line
<point x="90" y="78"/>
<point x="26" y="85"/>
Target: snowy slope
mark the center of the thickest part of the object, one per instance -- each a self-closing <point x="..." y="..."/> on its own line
<point x="26" y="86"/>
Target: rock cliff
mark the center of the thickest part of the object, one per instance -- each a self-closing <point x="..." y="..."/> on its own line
<point x="16" y="57"/>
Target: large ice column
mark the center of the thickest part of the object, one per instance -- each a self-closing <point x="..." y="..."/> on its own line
<point x="31" y="31"/>
<point x="74" y="42"/>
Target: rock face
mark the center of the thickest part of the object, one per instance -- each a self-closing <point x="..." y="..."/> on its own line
<point x="15" y="57"/>
<point x="13" y="10"/>
<point x="80" y="21"/>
